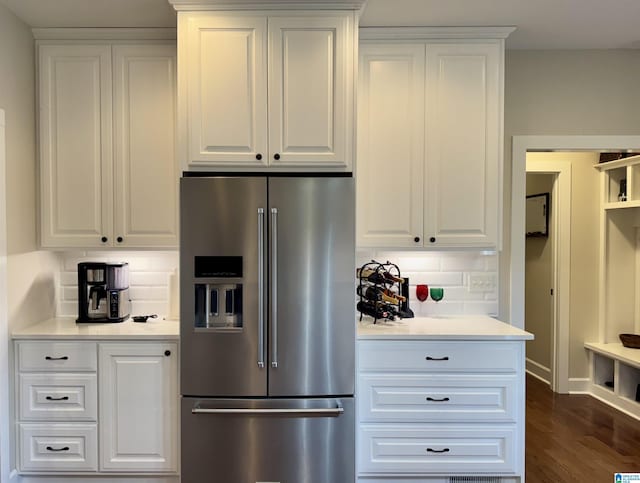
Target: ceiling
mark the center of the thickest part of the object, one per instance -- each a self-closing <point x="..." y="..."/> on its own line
<point x="541" y="24"/>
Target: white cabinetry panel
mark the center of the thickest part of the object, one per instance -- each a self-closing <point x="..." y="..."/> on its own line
<point x="146" y="171"/>
<point x="109" y="174"/>
<point x="437" y="397"/>
<point x="309" y="104"/>
<point x="75" y="144"/>
<point x="429" y="408"/>
<point x="430" y="142"/>
<point x="446" y="450"/>
<point x="390" y="143"/>
<point x="463" y="143"/>
<point x="70" y="397"/>
<point x="57" y="447"/>
<point x="138" y="404"/>
<point x="226" y="70"/>
<point x="57" y="356"/>
<point x="267" y="90"/>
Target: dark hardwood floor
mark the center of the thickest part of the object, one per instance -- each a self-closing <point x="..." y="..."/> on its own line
<point x="577" y="438"/>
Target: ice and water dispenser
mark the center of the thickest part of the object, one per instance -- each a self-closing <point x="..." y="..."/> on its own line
<point x="218" y="292"/>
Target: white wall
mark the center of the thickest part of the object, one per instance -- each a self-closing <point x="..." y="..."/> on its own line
<point x="30" y="273"/>
<point x="31" y="295"/>
<point x="565" y="93"/>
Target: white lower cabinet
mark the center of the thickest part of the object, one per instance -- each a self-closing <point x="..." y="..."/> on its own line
<point x="96" y="407"/>
<point x="138" y="407"/>
<point x="431" y="410"/>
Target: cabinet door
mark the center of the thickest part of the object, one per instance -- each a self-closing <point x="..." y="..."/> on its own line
<point x="463" y="144"/>
<point x="390" y="145"/>
<point x="146" y="173"/>
<point x="311" y="91"/>
<point x="226" y="64"/>
<point x="138" y="385"/>
<point x="75" y="145"/>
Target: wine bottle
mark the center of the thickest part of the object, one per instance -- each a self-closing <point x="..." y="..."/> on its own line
<point x="373" y="309"/>
<point x="379" y="294"/>
<point x="378" y="276"/>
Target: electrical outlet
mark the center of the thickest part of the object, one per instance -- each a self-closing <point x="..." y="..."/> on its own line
<point x="482" y="282"/>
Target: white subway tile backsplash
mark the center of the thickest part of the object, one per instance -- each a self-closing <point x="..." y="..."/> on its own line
<point x="449" y="270"/>
<point x="70" y="292"/>
<point x="463" y="262"/>
<point x="149" y="293"/>
<point x="150" y="276"/>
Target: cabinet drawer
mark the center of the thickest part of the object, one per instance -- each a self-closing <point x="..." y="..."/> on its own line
<point x="50" y="356"/>
<point x="58" y="447"/>
<point x="65" y="397"/>
<point x="437" y="397"/>
<point x="437" y="449"/>
<point x="438" y="356"/>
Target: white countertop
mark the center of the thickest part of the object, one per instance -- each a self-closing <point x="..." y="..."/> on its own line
<point x="477" y="327"/>
<point x="66" y="328"/>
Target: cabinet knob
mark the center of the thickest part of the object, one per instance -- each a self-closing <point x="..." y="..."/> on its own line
<point x="417" y="239"/>
<point x="104" y="239"/>
<point x="432" y="239"/>
<point x="276" y="156"/>
<point x="258" y="156"/>
<point x="167" y="353"/>
<point x="119" y="239"/>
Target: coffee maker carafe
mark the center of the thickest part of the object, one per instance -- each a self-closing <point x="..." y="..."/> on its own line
<point x="103" y="292"/>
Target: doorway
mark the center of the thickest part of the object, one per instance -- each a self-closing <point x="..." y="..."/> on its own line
<point x="522" y="145"/>
<point x="540" y="317"/>
<point x="549" y="357"/>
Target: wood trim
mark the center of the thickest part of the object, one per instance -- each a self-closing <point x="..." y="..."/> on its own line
<point x="104" y="33"/>
<point x="434" y="33"/>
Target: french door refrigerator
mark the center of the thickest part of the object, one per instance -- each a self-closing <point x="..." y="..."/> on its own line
<point x="267" y="329"/>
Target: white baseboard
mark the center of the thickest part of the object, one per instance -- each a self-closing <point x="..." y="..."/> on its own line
<point x="538" y="371"/>
<point x="579" y="385"/>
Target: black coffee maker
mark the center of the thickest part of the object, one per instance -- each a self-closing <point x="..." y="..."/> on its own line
<point x="103" y="292"/>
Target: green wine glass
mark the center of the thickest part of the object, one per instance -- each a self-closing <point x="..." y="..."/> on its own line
<point x="437" y="294"/>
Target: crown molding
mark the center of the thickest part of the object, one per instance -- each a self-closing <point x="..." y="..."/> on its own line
<point x="104" y="33"/>
<point x="268" y="4"/>
<point x="424" y="33"/>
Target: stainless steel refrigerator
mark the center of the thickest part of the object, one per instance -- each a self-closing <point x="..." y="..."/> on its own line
<point x="267" y="329"/>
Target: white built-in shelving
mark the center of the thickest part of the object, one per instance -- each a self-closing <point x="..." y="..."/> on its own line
<point x="615" y="369"/>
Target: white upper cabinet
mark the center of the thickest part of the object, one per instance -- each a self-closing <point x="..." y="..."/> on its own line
<point x="108" y="169"/>
<point x="267" y="90"/>
<point x="75" y="144"/>
<point x="389" y="179"/>
<point x="430" y="138"/>
<point x="463" y="144"/>
<point x="226" y="68"/>
<point x="146" y="171"/>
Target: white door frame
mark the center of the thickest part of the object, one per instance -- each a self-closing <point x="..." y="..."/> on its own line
<point x="520" y="146"/>
<point x="560" y="266"/>
<point x="5" y="424"/>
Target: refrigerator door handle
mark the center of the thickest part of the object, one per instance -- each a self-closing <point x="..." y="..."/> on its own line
<point x="261" y="287"/>
<point x="326" y="411"/>
<point x="274" y="287"/>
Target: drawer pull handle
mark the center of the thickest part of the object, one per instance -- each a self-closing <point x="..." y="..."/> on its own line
<point x="431" y="450"/>
<point x="51" y="398"/>
<point x="429" y="358"/>
<point x="49" y="448"/>
<point x="63" y="358"/>
<point x="444" y="399"/>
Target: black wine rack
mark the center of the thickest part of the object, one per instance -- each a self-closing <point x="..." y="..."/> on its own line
<point x="379" y="290"/>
